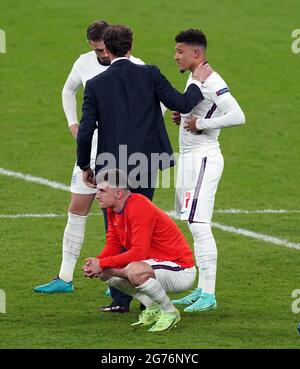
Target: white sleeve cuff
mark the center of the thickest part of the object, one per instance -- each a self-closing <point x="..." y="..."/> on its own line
<point x="198" y="124"/>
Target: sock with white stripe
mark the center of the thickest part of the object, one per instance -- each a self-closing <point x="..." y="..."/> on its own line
<point x="153" y="289"/>
<point x="206" y="254"/>
<point x="72" y="244"/>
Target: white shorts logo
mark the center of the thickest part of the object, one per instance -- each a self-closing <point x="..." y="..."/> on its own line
<point x="74" y="179"/>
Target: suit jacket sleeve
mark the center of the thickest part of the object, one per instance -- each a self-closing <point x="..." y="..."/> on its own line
<point x="173" y="99"/>
<point x="87" y="127"/>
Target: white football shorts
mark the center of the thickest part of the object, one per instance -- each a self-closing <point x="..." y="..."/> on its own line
<point x="198" y="176"/>
<point x="172" y="276"/>
<point x="77" y="184"/>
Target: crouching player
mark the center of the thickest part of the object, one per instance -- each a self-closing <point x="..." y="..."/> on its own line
<point x="158" y="258"/>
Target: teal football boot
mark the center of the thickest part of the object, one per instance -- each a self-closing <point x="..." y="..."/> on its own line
<point x="207" y="301"/>
<point x="57" y="285"/>
<point x="189" y="299"/>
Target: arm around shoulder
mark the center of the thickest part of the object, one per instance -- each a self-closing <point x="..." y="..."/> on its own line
<point x="173" y="99"/>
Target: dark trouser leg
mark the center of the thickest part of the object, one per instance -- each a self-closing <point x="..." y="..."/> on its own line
<point x="148" y="191"/>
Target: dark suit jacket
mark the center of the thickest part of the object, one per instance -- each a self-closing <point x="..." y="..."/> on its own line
<point x="125" y="101"/>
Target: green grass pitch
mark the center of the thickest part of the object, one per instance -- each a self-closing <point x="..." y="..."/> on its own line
<point x="250" y="46"/>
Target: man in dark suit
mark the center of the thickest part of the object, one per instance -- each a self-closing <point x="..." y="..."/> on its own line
<point x="125" y="101"/>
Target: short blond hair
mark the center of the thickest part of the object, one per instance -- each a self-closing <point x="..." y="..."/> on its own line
<point x="116" y="178"/>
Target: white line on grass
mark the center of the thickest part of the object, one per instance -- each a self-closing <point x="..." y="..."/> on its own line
<point x="15" y="216"/>
<point x="258" y="236"/>
<point x="49" y="215"/>
<point x="61" y="186"/>
<point x="247" y="233"/>
<point x="240" y="231"/>
<point x="263" y="211"/>
<point x="29" y="178"/>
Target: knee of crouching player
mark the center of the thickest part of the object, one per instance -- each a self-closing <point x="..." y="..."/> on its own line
<point x="139" y="272"/>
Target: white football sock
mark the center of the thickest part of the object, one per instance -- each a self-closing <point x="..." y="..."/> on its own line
<point x="124" y="286"/>
<point x="144" y="299"/>
<point x="72" y="244"/>
<point x="200" y="276"/>
<point x="200" y="279"/>
<point x="153" y="289"/>
<point x="206" y="254"/>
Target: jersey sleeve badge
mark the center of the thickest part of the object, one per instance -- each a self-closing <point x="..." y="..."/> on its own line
<point x="222" y="91"/>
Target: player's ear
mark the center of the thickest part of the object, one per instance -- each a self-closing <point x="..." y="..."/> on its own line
<point x="196" y="53"/>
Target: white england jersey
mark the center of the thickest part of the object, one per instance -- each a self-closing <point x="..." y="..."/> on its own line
<point x="214" y="90"/>
<point x="200" y="164"/>
<point x="84" y="68"/>
<point x="87" y="67"/>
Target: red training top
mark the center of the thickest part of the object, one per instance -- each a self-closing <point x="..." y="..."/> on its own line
<point x="146" y="232"/>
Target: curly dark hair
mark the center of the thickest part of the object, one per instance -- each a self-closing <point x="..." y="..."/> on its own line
<point x="96" y="30"/>
<point x="118" y="39"/>
<point x="192" y="37"/>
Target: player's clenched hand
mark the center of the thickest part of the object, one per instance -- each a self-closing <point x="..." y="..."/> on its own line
<point x="190" y="124"/>
<point x="176" y="117"/>
<point x="89" y="178"/>
<point x="91" y="268"/>
<point x="202" y="72"/>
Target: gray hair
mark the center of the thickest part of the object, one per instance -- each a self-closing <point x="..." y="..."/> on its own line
<point x="116" y="178"/>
